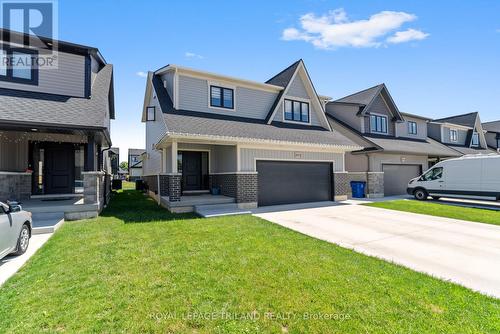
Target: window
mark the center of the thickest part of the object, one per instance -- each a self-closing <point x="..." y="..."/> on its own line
<point x="221" y="97"/>
<point x="475" y="139"/>
<point x="296" y="111"/>
<point x="412" y="128"/>
<point x="378" y="124"/>
<point x="17" y="65"/>
<point x="150" y="113"/>
<point x="433" y="174"/>
<point x="453" y="135"/>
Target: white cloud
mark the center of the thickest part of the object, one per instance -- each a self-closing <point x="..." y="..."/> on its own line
<point x="335" y="29"/>
<point x="193" y="55"/>
<point x="142" y="74"/>
<point x="407" y="36"/>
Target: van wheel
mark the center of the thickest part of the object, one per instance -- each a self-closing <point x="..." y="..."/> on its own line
<point x="420" y="194"/>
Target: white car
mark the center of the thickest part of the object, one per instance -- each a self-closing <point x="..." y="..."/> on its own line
<point x="15" y="229"/>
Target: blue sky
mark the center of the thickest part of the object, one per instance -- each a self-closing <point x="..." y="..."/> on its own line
<point x="445" y="60"/>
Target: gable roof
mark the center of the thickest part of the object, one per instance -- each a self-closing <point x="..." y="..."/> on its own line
<point x="25" y="107"/>
<point x="492" y="126"/>
<point x="368" y="96"/>
<point x="285" y="78"/>
<point x="468" y="119"/>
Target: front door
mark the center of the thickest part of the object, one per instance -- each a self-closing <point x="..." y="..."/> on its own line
<point x="191" y="170"/>
<point x="59" y="168"/>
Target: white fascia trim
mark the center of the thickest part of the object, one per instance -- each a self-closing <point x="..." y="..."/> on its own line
<point x="240" y="140"/>
<point x="214" y="76"/>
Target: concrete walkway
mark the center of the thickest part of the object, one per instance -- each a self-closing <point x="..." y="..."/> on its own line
<point x="9" y="265"/>
<point x="464" y="252"/>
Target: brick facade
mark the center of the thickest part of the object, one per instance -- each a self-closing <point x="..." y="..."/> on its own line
<point x="341" y="185"/>
<point x="151" y="183"/>
<point x="241" y="186"/>
<point x="15" y="186"/>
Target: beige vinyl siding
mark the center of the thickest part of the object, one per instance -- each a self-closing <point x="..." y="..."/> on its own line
<point x="434" y="131"/>
<point x="155" y="130"/>
<point x="377" y="160"/>
<point x="68" y="79"/>
<point x="491" y="139"/>
<point x="251" y="103"/>
<point x="402" y="128"/>
<point x="248" y="156"/>
<point x="356" y="162"/>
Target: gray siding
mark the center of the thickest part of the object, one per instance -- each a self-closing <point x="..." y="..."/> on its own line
<point x="252" y="103"/>
<point x="356" y="162"/>
<point x="380" y="107"/>
<point x="491" y="139"/>
<point x="168" y="80"/>
<point x="462" y="136"/>
<point x="434" y="131"/>
<point x="155" y="130"/>
<point x="297" y="88"/>
<point x="377" y="160"/>
<point x="68" y="79"/>
<point x="346" y="113"/>
<point x="402" y="128"/>
<point x="248" y="156"/>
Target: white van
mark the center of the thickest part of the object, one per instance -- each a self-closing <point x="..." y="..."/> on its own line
<point x="474" y="176"/>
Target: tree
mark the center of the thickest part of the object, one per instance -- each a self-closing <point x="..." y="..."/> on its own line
<point x="124" y="165"/>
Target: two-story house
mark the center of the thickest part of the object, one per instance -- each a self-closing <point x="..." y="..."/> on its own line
<point x="135" y="163"/>
<point x="54" y="122"/>
<point x="464" y="133"/>
<point x="257" y="143"/>
<point x="396" y="145"/>
<point x="492" y="134"/>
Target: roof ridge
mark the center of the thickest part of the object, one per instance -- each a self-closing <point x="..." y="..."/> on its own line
<point x="455" y="116"/>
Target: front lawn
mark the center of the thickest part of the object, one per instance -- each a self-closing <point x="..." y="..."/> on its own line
<point x="442" y="210"/>
<point x="138" y="268"/>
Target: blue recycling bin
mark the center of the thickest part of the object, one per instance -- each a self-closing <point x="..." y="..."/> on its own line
<point x="358" y="189"/>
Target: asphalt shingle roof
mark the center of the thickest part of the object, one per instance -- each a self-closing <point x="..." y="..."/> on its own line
<point x="492" y="126"/>
<point x="465" y="119"/>
<point x="363" y="97"/>
<point x="25" y="106"/>
<point x="283" y="78"/>
<point x="420" y="147"/>
<point x="469" y="150"/>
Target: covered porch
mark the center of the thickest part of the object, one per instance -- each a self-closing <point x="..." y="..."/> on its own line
<point x="43" y="162"/>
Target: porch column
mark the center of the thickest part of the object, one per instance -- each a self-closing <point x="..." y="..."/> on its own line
<point x="90" y="154"/>
<point x="340" y="186"/>
<point x="173" y="159"/>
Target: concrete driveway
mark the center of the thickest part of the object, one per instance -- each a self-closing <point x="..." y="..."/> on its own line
<point x="466" y="253"/>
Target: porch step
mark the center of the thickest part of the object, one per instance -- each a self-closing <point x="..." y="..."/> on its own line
<point x="47" y="222"/>
<point x="57" y="196"/>
<point x="195" y="192"/>
<point x="60" y="208"/>
<point x="217" y="210"/>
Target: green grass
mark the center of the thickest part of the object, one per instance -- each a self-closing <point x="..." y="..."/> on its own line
<point x="442" y="210"/>
<point x="138" y="268"/>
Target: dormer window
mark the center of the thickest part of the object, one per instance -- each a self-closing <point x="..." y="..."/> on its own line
<point x="378" y="124"/>
<point x="475" y="139"/>
<point x="221" y="97"/>
<point x="296" y="111"/>
<point x="453" y="136"/>
<point x="150" y="113"/>
<point x="412" y="128"/>
<point x="18" y="65"/>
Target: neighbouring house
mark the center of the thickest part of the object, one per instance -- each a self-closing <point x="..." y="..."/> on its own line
<point x="492" y="135"/>
<point x="54" y="123"/>
<point x="255" y="143"/>
<point x="464" y="133"/>
<point x="135" y="164"/>
<point x="114" y="161"/>
<point x="396" y="145"/>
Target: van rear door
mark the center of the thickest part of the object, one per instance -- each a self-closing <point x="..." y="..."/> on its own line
<point x="490" y="181"/>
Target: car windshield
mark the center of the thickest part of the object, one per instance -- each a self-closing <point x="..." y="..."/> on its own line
<point x="433" y="174"/>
